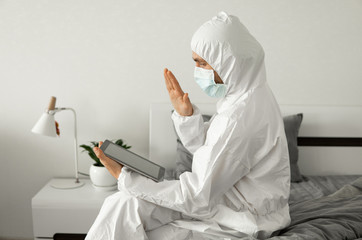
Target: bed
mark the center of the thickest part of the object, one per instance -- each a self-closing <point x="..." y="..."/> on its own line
<point x="326" y="189"/>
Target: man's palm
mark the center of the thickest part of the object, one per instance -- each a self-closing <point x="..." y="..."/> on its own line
<point x="179" y="99"/>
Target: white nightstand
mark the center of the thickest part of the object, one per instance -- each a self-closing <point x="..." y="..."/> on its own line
<point x="66" y="211"/>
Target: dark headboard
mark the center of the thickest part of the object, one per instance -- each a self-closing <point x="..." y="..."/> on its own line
<point x="330" y="141"/>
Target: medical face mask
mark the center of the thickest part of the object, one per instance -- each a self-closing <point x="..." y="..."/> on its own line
<point x="205" y="79"/>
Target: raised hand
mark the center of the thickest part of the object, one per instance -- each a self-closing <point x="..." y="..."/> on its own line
<point x="179" y="99"/>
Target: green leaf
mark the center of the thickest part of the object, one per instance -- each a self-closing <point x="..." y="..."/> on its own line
<point x="122" y="144"/>
<point x="93" y="156"/>
<point x="86" y="148"/>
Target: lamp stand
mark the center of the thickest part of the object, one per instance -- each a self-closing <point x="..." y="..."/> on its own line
<point x="69" y="183"/>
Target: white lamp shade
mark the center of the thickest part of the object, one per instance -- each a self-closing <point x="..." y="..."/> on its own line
<point x="45" y="125"/>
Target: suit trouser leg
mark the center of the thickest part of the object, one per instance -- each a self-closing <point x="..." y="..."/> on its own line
<point x="123" y="216"/>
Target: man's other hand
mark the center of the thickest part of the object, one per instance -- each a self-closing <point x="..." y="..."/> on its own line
<point x="112" y="166"/>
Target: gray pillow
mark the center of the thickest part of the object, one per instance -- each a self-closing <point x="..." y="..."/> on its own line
<point x="291" y="126"/>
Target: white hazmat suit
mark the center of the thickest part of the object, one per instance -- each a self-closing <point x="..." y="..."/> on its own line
<point x="240" y="179"/>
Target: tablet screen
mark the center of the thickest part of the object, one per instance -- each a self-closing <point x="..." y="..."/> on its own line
<point x="133" y="160"/>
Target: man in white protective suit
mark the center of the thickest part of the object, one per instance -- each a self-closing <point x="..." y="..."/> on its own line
<point x="240" y="178"/>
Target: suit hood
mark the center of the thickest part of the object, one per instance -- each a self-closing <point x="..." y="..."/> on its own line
<point x="228" y="47"/>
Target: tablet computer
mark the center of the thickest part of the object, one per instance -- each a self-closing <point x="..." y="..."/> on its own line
<point x="133" y="161"/>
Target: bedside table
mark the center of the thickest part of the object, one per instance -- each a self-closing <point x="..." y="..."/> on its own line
<point x="66" y="211"/>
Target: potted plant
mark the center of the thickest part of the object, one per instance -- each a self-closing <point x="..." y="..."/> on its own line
<point x="98" y="174"/>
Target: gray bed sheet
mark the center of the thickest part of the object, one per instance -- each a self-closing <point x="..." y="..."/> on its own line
<point x="333" y="217"/>
<point x="318" y="186"/>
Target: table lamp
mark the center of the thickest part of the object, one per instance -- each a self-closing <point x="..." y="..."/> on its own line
<point x="46" y="126"/>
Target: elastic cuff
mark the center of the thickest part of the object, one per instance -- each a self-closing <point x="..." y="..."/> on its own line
<point x="196" y="111"/>
<point x="122" y="177"/>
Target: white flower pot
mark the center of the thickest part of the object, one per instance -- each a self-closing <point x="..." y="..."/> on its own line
<point x="101" y="178"/>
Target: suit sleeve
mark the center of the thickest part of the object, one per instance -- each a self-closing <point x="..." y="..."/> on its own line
<point x="191" y="129"/>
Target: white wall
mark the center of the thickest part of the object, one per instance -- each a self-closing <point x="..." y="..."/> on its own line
<point x="105" y="59"/>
